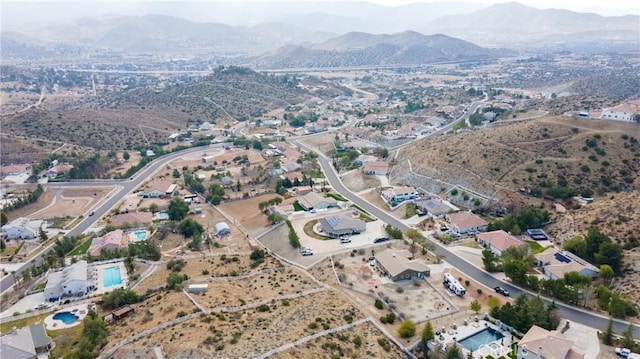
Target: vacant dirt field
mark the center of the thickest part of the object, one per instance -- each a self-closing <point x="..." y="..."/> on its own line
<point x="71" y="202"/>
<point x="250" y="332"/>
<point x="356" y="181"/>
<point x="247" y="213"/>
<point x="323" y="143"/>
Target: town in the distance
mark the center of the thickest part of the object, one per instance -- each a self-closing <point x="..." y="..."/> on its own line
<point x="292" y="183"/>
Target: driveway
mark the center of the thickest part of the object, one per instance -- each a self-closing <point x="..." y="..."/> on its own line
<point x="24" y="304"/>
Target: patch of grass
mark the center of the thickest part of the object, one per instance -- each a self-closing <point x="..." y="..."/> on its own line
<point x="366" y="218"/>
<point x="74" y="223"/>
<point x="470" y="244"/>
<point x="359" y="208"/>
<point x="297" y="206"/>
<point x="5" y="327"/>
<point x="337" y="197"/>
<point x="410" y="210"/>
<point x="535" y="247"/>
<point x="82" y="248"/>
<point x="40" y="286"/>
<point x="66" y="340"/>
<point x="308" y="230"/>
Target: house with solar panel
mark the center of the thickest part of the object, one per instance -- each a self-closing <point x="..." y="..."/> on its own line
<point x="336" y="226"/>
<point x="556" y="263"/>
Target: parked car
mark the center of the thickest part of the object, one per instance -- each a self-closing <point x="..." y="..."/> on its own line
<point x="623" y="352"/>
<point x="306" y="251"/>
<point x="380" y="239"/>
<point x="502" y="291"/>
<point x="444" y="228"/>
<point x="345" y="239"/>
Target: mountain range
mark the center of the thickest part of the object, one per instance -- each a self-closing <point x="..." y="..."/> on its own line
<point x="326" y="38"/>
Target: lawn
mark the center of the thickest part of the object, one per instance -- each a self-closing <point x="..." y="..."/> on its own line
<point x="535" y="247"/>
<point x="6" y="326"/>
<point x="337" y="197"/>
<point x="359" y="208"/>
<point x="40" y="286"/>
<point x="82" y="248"/>
<point x="308" y="230"/>
<point x="297" y="206"/>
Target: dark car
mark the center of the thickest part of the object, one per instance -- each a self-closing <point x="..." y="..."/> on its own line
<point x="92" y="213"/>
<point x="380" y="239"/>
<point x="502" y="291"/>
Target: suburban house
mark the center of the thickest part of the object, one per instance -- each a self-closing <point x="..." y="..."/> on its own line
<point x="376" y="168"/>
<point x="315" y="201"/>
<point x="302" y="190"/>
<point x="282" y="209"/>
<point x="624" y="112"/>
<point x="26" y="343"/>
<point x="539" y="343"/>
<point x="70" y="281"/>
<point x="14" y="170"/>
<point x="290" y="166"/>
<point x="555" y="264"/>
<point x="292" y="176"/>
<point x="401" y="265"/>
<point x="58" y="170"/>
<point x="466" y="222"/>
<point x="132" y="219"/>
<point x="498" y="241"/>
<point x="158" y="188"/>
<point x="22" y="228"/>
<point x="114" y="240"/>
<point x="337" y="226"/>
<point x="435" y="208"/>
<point x="399" y="194"/>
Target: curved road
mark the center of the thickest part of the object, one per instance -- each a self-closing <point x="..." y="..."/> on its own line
<point x="127" y="186"/>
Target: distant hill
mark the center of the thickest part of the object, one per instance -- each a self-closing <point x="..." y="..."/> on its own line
<point x="516" y="25"/>
<point x="362" y="49"/>
<point x="168" y="34"/>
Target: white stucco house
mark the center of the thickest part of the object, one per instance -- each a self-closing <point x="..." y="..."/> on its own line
<point x="22" y="228"/>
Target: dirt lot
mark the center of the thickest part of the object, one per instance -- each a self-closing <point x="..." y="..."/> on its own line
<point x="323" y="143"/>
<point x="72" y="202"/>
<point x="247" y="214"/>
<point x="356" y="181"/>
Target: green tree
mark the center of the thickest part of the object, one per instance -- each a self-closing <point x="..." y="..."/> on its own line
<point x="607" y="336"/>
<point x="516" y="270"/>
<point x="153" y="207"/>
<point x="43" y="235"/>
<point x="427" y="333"/>
<point x="475" y="306"/>
<point x="606" y="273"/>
<point x="175" y="279"/>
<point x="3" y="218"/>
<point x="126" y="156"/>
<point x="178" y="209"/>
<point x="577" y="246"/>
<point x="489" y="259"/>
<point x="453" y="352"/>
<point x="175" y="173"/>
<point x="627" y="337"/>
<point x="610" y="253"/>
<point x="407" y="329"/>
<point x="119" y="297"/>
<point x="189" y="227"/>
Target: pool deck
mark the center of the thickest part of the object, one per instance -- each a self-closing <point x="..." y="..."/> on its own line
<point x="80" y="311"/>
<point x="101" y="289"/>
<point x="462" y="331"/>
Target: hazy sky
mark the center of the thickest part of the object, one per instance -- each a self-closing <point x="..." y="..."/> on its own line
<point x="19" y="12"/>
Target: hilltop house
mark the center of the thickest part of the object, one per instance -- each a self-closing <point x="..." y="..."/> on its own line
<point x="58" y="170"/>
<point x="15" y="170"/>
<point x="22" y="228"/>
<point x="26" y="343"/>
<point x="376" y="168"/>
<point x="624" y="112"/>
<point x="466" y="222"/>
<point x="435" y="208"/>
<point x="114" y="240"/>
<point x="401" y="265"/>
<point x="555" y="264"/>
<point x="498" y="241"/>
<point x="540" y="343"/>
<point x="399" y="194"/>
<point x="337" y="226"/>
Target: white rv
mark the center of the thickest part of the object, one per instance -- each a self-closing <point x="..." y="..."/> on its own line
<point x="453" y="285"/>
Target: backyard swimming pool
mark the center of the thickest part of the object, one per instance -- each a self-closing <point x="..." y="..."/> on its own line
<point x="485" y="336"/>
<point x="65" y="317"/>
<point x="138" y="236"/>
<point x="111" y="277"/>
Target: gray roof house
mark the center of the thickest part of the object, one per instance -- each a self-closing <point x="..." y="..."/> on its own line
<point x="25" y="343"/>
<point x="435" y="207"/>
<point x="400" y="264"/>
<point x="72" y="280"/>
<point x="337" y="226"/>
<point x="22" y="228"/>
<point x="313" y="200"/>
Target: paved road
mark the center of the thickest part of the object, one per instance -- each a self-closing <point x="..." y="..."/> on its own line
<point x="127" y="186"/>
<point x="566" y="311"/>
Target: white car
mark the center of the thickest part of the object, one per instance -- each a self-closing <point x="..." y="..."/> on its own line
<point x="306" y="251"/>
<point x="623" y="352"/>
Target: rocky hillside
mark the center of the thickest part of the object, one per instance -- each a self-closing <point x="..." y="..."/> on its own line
<point x="555" y="157"/>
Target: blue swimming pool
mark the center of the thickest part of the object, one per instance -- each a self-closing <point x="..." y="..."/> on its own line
<point x="111" y="277"/>
<point x="480" y="338"/>
<point x="65" y="317"/>
<point x="138" y="236"/>
<point x="162" y="215"/>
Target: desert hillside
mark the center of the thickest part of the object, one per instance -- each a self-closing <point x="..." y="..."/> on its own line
<point x="554" y="156"/>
